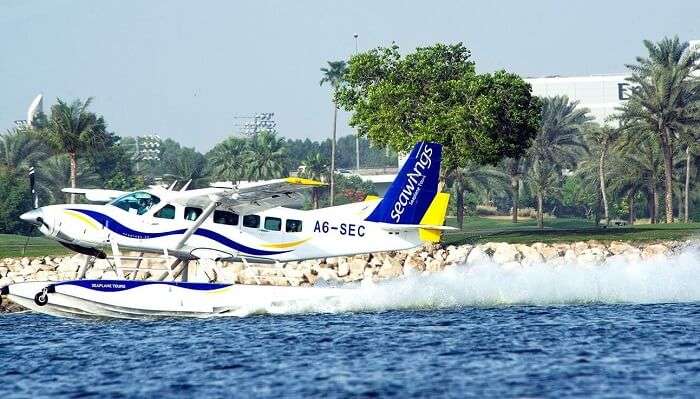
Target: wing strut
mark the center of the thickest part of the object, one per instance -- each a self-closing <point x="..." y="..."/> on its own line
<point x="207" y="211"/>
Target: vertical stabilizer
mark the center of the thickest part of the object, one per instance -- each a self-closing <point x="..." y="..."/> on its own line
<point x="410" y="195"/>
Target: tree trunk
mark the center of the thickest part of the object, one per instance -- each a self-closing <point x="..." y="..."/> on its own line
<point x="630" y="220"/>
<point x="335" y="123"/>
<point x="460" y="208"/>
<point x="667" y="151"/>
<point x="650" y="208"/>
<point x="540" y="214"/>
<point x="687" y="183"/>
<point x="655" y="203"/>
<point x="314" y="197"/>
<point x="515" y="189"/>
<point x="601" y="177"/>
<point x="73" y="173"/>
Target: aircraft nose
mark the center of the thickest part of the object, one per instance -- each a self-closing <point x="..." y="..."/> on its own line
<point x="33" y="217"/>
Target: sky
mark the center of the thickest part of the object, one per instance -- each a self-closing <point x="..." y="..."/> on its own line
<point x="186" y="69"/>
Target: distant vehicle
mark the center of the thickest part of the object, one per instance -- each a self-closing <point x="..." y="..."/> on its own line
<point x="244" y="222"/>
<point x="344" y="172"/>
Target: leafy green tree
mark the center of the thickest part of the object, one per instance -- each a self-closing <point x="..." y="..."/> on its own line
<point x="434" y="94"/>
<point x="54" y="173"/>
<point x="228" y="160"/>
<point x="266" y="157"/>
<point x="558" y="145"/>
<point x="73" y="130"/>
<point x="315" y="167"/>
<point x="666" y="98"/>
<point x="333" y="75"/>
<point x="15" y="199"/>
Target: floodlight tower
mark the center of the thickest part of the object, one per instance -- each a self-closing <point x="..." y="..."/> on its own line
<point x="251" y="125"/>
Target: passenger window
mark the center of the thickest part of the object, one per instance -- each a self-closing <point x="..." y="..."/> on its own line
<point x="166" y="212"/>
<point x="192" y="213"/>
<point x="224" y="217"/>
<point x="138" y="202"/>
<point x="252" y="221"/>
<point x="293" y="226"/>
<point x="274" y="224"/>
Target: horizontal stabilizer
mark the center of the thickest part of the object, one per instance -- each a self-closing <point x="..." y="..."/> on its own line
<point x="407" y="227"/>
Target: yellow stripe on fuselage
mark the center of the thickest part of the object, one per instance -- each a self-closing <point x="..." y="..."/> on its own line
<point x="89" y="222"/>
<point x="285" y="244"/>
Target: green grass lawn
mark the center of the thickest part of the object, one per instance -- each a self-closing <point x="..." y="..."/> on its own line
<point x="479" y="229"/>
<point x="13" y="246"/>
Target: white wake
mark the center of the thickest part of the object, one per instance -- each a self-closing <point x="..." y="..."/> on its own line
<point x="672" y="279"/>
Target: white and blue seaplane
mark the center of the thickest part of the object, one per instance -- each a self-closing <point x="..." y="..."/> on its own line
<point x="229" y="222"/>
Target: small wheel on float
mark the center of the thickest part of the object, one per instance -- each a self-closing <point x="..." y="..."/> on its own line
<point x="41" y="298"/>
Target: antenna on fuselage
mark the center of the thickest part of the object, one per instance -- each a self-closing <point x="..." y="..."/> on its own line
<point x="172" y="186"/>
<point x="186" y="185"/>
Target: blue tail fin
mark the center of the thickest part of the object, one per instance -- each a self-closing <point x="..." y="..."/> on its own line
<point x="414" y="188"/>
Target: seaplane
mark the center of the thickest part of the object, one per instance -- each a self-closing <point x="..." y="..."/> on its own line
<point x="244" y="222"/>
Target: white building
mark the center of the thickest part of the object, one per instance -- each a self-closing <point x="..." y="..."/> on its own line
<point x="601" y="94"/>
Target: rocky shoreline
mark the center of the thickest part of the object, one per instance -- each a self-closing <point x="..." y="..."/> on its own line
<point x="376" y="267"/>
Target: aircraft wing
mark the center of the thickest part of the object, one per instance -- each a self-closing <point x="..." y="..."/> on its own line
<point x="249" y="197"/>
<point x="95" y="194"/>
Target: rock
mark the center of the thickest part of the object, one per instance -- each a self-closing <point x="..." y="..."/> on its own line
<point x="390" y="268"/>
<point x="41" y="275"/>
<point x="67" y="267"/>
<point x="25" y="261"/>
<point x="109" y="275"/>
<point x="591" y="256"/>
<point x="93" y="274"/>
<point x="311" y="276"/>
<point x="5" y="281"/>
<point x="293" y="273"/>
<point x="413" y="264"/>
<point x="458" y="254"/>
<point x="654" y="251"/>
<point x="530" y="255"/>
<point x="103" y="264"/>
<point x="504" y="253"/>
<point x="29" y="270"/>
<point x="327" y="274"/>
<point x="570" y="257"/>
<point x="343" y="269"/>
<point x="332" y="262"/>
<point x="477" y="257"/>
<point x="357" y="266"/>
<point x="579" y="247"/>
<point x="435" y="265"/>
<point x="3" y="271"/>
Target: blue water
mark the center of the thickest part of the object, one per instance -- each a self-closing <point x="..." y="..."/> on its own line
<point x="601" y="350"/>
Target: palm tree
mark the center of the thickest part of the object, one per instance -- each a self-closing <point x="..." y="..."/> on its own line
<point x="516" y="169"/>
<point x="666" y="98"/>
<point x="21" y="148"/>
<point x="54" y="173"/>
<point x="477" y="179"/>
<point x="315" y="167"/>
<point x="72" y="130"/>
<point x="601" y="139"/>
<point x="557" y="146"/>
<point x="266" y="157"/>
<point x="190" y="166"/>
<point x="333" y="75"/>
<point x="228" y="160"/>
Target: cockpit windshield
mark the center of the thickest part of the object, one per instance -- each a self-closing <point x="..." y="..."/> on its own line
<point x="138" y="203"/>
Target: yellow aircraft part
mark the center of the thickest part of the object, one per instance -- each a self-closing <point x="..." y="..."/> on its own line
<point x="435" y="215"/>
<point x="371" y="198"/>
<point x="285" y="244"/>
<point x="304" y="182"/>
<point x="82" y="218"/>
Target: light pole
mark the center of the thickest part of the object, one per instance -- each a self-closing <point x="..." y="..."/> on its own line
<point x="357" y="135"/>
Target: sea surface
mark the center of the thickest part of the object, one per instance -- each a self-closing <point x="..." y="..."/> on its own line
<point x="618" y="330"/>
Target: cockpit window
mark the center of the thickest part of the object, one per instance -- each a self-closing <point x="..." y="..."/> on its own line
<point x="138" y="203"/>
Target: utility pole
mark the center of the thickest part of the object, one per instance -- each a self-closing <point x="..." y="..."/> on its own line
<point x="357" y="135"/>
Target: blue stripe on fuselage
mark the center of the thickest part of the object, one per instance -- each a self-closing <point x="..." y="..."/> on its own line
<point x="113" y="225"/>
<point x="123" y="285"/>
